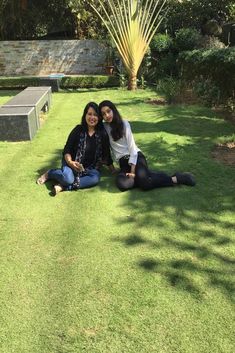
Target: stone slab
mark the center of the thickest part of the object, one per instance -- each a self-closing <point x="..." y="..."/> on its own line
<point x="40" y="99"/>
<point x="46" y="89"/>
<point x="17" y="123"/>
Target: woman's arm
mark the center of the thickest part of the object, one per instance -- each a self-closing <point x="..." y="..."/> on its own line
<point x="133" y="150"/>
<point x="70" y="150"/>
<point x="78" y="167"/>
<point x="72" y="142"/>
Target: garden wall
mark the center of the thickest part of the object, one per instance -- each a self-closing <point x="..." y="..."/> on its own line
<point x="43" y="57"/>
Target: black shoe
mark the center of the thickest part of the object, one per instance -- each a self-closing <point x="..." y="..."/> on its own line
<point x="185" y="178"/>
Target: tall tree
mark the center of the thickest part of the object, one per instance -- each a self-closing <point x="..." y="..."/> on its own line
<point x="195" y="13"/>
<point x="131" y="24"/>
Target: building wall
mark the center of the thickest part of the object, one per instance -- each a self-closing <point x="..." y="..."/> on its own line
<point x="43" y="57"/>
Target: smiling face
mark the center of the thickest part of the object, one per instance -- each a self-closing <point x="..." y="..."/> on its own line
<point x="107" y="114"/>
<point x="91" y="118"/>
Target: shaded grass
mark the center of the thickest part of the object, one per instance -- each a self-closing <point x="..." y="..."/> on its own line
<point x="102" y="271"/>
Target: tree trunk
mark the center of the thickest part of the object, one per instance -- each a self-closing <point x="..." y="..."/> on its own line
<point x="132" y="82"/>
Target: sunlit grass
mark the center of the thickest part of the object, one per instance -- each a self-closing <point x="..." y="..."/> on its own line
<point x="102" y="271"/>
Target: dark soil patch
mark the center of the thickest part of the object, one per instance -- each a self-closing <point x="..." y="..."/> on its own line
<point x="227" y="115"/>
<point x="225" y="153"/>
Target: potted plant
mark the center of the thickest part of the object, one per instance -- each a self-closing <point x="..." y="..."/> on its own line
<point x="109" y="65"/>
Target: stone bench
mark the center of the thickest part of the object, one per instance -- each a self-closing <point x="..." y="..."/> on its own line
<point x="19" y="117"/>
<point x="17" y="123"/>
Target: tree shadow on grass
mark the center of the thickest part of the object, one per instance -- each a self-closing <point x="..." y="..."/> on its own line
<point x="185" y="125"/>
<point x="8" y="93"/>
<point x="188" y="232"/>
<point x="200" y="247"/>
<point x="54" y="162"/>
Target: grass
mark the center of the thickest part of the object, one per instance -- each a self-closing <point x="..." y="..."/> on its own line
<point x="102" y="271"/>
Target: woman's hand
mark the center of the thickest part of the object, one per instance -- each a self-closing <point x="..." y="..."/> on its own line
<point x="130" y="175"/>
<point x="78" y="167"/>
<point x="112" y="169"/>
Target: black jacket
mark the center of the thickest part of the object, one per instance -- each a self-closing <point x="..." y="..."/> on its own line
<point x="73" y="140"/>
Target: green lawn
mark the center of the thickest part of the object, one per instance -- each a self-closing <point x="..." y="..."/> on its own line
<point x="99" y="271"/>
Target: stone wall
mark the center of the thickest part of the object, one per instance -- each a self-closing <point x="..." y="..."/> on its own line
<point x="43" y="57"/>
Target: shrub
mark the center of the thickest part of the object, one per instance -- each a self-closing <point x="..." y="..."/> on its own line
<point x="170" y="88"/>
<point x="187" y="39"/>
<point x="208" y="92"/>
<point x="123" y="80"/>
<point x="161" y="43"/>
<point x="162" y="66"/>
<point x="216" y="66"/>
<point x="145" y="65"/>
<point x="65" y="82"/>
<point x="98" y="81"/>
<point x="18" y="82"/>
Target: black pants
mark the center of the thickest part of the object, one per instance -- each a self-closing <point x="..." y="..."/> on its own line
<point x="144" y="178"/>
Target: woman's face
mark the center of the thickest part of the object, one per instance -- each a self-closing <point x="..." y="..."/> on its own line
<point x="107" y="114"/>
<point x="91" y="117"/>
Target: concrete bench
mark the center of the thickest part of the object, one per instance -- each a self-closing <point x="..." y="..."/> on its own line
<point x="24" y="109"/>
<point x="17" y="123"/>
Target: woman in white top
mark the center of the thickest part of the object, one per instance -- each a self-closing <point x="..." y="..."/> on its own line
<point x="134" y="170"/>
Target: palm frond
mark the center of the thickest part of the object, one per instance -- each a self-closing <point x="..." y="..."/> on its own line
<point x="131" y="25"/>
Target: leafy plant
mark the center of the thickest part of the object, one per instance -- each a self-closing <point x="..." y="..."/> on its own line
<point x="215" y="67"/>
<point x="161" y="43"/>
<point x="187" y="39"/>
<point x="122" y="80"/>
<point x="208" y="92"/>
<point x="169" y="87"/>
<point x="132" y="25"/>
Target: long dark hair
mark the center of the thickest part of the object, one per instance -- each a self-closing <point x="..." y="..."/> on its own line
<point x="96" y="109"/>
<point x="117" y="126"/>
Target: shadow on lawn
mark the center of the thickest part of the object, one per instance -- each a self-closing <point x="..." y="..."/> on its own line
<point x="8" y="93"/>
<point x="54" y="162"/>
<point x="199" y="255"/>
<point x="183" y="126"/>
<point x="201" y="246"/>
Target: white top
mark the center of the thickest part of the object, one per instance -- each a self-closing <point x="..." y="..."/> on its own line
<point x="125" y="145"/>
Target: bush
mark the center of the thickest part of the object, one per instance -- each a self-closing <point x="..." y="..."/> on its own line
<point x="163" y="66"/>
<point x="187" y="39"/>
<point x="170" y="88"/>
<point x="18" y="82"/>
<point x="145" y="65"/>
<point x="98" y="81"/>
<point x="208" y="92"/>
<point x="216" y="66"/>
<point x="161" y="43"/>
<point x="123" y="80"/>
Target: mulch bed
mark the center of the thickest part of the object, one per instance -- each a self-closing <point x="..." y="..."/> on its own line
<point x="159" y="101"/>
<point x="225" y="153"/>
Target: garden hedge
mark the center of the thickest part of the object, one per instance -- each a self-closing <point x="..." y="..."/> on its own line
<point x="215" y="65"/>
<point x="86" y="81"/>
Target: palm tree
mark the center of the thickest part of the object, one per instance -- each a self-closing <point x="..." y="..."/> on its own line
<point x="131" y="24"/>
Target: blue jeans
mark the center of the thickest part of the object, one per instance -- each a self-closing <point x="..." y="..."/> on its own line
<point x="65" y="177"/>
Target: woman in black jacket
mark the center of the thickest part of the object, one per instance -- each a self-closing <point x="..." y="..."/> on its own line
<point x="86" y="149"/>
